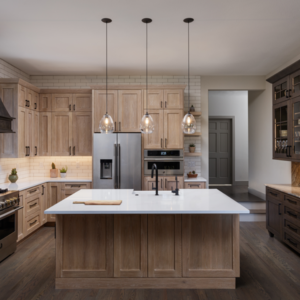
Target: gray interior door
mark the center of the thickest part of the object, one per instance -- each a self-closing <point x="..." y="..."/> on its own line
<point x="220" y="151"/>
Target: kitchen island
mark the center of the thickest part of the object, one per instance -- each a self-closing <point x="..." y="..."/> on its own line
<point x="166" y="241"/>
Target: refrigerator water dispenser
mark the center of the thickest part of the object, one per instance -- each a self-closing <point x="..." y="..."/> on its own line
<point x="106" y="168"/>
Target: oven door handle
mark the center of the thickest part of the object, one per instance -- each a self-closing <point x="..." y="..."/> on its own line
<point x="9" y="213"/>
<point x="164" y="159"/>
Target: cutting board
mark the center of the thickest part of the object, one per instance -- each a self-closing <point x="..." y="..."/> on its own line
<point x="99" y="202"/>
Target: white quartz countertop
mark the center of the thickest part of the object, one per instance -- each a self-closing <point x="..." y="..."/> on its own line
<point x="29" y="182"/>
<point x="197" y="179"/>
<point x="189" y="201"/>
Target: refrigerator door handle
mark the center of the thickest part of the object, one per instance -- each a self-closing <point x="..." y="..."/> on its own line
<point x="119" y="166"/>
<point x="116" y="168"/>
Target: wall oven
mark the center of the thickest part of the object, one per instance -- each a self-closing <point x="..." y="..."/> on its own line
<point x="168" y="162"/>
<point x="9" y="206"/>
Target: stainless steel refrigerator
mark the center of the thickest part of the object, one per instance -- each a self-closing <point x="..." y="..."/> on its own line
<point x="117" y="161"/>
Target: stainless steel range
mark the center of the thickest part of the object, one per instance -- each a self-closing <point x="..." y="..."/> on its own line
<point x="9" y="206"/>
<point x="168" y="162"/>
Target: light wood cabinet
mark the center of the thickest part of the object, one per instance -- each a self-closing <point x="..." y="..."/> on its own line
<point x="36" y="102"/>
<point x="32" y="222"/>
<point x="29" y="124"/>
<point x="100" y="107"/>
<point x="45" y="102"/>
<point x="195" y="185"/>
<point x="45" y="140"/>
<point x="44" y="202"/>
<point x="149" y="183"/>
<point x="82" y="102"/>
<point x="68" y="189"/>
<point x="165" y="183"/>
<point x="21" y="219"/>
<point x="155" y="140"/>
<point x="35" y="131"/>
<point x="22" y="150"/>
<point x="54" y="196"/>
<point x="170" y="183"/>
<point x="155" y="99"/>
<point x="61" y="133"/>
<point x="129" y="110"/>
<point x="173" y="99"/>
<point x="21" y="95"/>
<point x="29" y="99"/>
<point x="82" y="133"/>
<point x="32" y="205"/>
<point x="62" y="102"/>
<point x="173" y="135"/>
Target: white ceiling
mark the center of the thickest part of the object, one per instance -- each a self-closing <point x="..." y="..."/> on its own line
<point x="67" y="37"/>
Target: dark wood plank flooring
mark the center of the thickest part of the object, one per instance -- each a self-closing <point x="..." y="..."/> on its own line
<point x="269" y="270"/>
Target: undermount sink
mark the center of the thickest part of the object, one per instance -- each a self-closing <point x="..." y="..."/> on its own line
<point x="152" y="193"/>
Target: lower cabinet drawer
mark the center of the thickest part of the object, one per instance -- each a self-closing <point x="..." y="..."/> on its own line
<point x="33" y="191"/>
<point x="76" y="185"/>
<point x="194" y="185"/>
<point x="291" y="241"/>
<point x="32" y="222"/>
<point x="274" y="194"/>
<point x="291" y="201"/>
<point x="289" y="226"/>
<point x="291" y="214"/>
<point x="32" y="205"/>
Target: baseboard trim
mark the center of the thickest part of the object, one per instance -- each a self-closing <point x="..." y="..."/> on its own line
<point x="240" y="183"/>
<point x="145" y="283"/>
<point x="257" y="193"/>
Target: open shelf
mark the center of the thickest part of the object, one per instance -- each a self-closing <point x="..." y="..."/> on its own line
<point x="195" y="154"/>
<point x="194" y="134"/>
<point x="194" y="113"/>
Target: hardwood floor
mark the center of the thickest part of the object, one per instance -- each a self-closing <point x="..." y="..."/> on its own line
<point x="269" y="270"/>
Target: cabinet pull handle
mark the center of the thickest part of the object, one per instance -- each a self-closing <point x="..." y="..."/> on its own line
<point x="165" y="182"/>
<point x="26" y="151"/>
<point x="292" y="242"/>
<point x="274" y="194"/>
<point x="74" y="150"/>
<point x="35" y="106"/>
<point x="35" y="150"/>
<point x="69" y="106"/>
<point x="119" y="126"/>
<point x="286" y="93"/>
<point x="73" y="106"/>
<point x="32" y="191"/>
<point x="75" y="185"/>
<point x="291" y="201"/>
<point x="288" y="151"/>
<point x="32" y="205"/>
<point x="161" y="142"/>
<point x="161" y="183"/>
<point x="279" y="213"/>
<point x="198" y="185"/>
<point x="165" y="143"/>
<point x="30" y="224"/>
<point x="292" y="228"/>
<point x="291" y="214"/>
<point x="43" y="190"/>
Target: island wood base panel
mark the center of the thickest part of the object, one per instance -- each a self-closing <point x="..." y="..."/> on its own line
<point x="147" y="251"/>
<point x="145" y="283"/>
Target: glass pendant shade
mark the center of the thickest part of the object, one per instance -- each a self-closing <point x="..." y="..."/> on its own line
<point x="106" y="124"/>
<point x="188" y="124"/>
<point x="147" y="124"/>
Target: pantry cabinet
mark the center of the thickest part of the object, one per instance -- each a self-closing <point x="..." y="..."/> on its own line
<point x="173" y="136"/>
<point x="45" y="140"/>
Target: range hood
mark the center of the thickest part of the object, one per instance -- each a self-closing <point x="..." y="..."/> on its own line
<point x="5" y="119"/>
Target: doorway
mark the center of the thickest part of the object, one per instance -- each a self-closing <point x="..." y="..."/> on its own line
<point x="220" y="151"/>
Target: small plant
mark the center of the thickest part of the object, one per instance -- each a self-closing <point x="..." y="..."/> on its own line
<point x="193" y="172"/>
<point x="14" y="171"/>
<point x="192" y="145"/>
<point x="53" y="166"/>
<point x="64" y="169"/>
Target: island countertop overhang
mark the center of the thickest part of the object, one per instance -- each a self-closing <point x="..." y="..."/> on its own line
<point x="206" y="201"/>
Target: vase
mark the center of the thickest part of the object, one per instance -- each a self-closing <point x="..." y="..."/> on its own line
<point x="63" y="175"/>
<point x="13" y="178"/>
<point x="192" y="149"/>
<point x="53" y="173"/>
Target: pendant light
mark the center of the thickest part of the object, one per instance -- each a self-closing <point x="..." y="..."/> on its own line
<point x="147" y="124"/>
<point x="106" y="124"/>
<point x="188" y="124"/>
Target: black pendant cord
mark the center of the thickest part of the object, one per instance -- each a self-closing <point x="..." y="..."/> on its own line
<point x="146" y="68"/>
<point x="106" y="68"/>
<point x="189" y="67"/>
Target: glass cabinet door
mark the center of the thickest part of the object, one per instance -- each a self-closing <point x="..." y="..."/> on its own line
<point x="281" y="90"/>
<point x="295" y="84"/>
<point x="281" y="135"/>
<point x="295" y="151"/>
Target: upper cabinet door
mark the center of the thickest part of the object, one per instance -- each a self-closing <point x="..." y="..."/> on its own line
<point x="173" y="99"/>
<point x="61" y="133"/>
<point x="100" y="107"/>
<point x="173" y="135"/>
<point x="62" y="102"/>
<point x="45" y="102"/>
<point x="129" y="110"/>
<point x="21" y="132"/>
<point x="155" y="140"/>
<point x="29" y="99"/>
<point x="295" y="84"/>
<point x="21" y="95"/>
<point x="45" y="134"/>
<point x="155" y="99"/>
<point x="82" y="102"/>
<point x="35" y="130"/>
<point x="281" y="90"/>
<point x="295" y="130"/>
<point x="29" y="124"/>
<point x="82" y="133"/>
